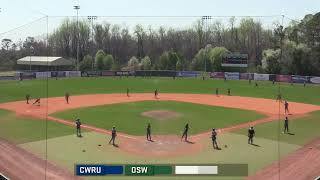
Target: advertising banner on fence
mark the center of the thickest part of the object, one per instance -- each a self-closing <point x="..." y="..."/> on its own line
<point x="272" y="77"/>
<point x="315" y="80"/>
<point x="232" y="75"/>
<point x="26" y="75"/>
<point x="43" y="75"/>
<point x="299" y="79"/>
<point x="8" y="78"/>
<point x="188" y="73"/>
<point x="58" y="74"/>
<point x="217" y="75"/>
<point x="244" y="76"/>
<point x="90" y="73"/>
<point x="124" y="73"/>
<point x="107" y="73"/>
<point x="73" y="73"/>
<point x="283" y="78"/>
<point x="261" y="77"/>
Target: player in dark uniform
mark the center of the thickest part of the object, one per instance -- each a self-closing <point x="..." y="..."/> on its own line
<point x="286" y="107"/>
<point x="156" y="93"/>
<point x="229" y="92"/>
<point x="304" y="83"/>
<point x="273" y="81"/>
<point x="78" y="126"/>
<point x="217" y="91"/>
<point x="249" y="81"/>
<point x="256" y="84"/>
<point x="37" y="102"/>
<point x="67" y="96"/>
<point x="128" y="92"/>
<point x="149" y="132"/>
<point x="27" y="98"/>
<point x="286" y="125"/>
<point x="251" y="133"/>
<point x="214" y="139"/>
<point x="113" y="136"/>
<point x="185" y="132"/>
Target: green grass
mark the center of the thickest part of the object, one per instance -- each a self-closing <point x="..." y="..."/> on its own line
<point x="22" y="130"/>
<point x="13" y="90"/>
<point x="304" y="129"/>
<point x="125" y="116"/>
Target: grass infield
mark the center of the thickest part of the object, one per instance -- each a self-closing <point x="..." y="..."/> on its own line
<point x="128" y="118"/>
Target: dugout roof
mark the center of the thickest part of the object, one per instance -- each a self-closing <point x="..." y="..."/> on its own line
<point x="44" y="61"/>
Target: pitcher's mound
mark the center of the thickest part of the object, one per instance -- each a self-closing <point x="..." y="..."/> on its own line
<point x="161" y="114"/>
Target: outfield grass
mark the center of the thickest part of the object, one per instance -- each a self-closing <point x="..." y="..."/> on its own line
<point x="125" y="116"/>
<point x="14" y="90"/>
<point x="22" y="130"/>
<point x="303" y="130"/>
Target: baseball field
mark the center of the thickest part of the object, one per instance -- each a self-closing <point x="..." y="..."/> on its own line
<point x="30" y="134"/>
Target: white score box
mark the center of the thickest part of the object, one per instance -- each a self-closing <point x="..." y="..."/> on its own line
<point x="209" y="170"/>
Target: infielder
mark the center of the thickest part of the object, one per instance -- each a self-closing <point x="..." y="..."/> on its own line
<point x="156" y="93"/>
<point x="185" y="132"/>
<point x="149" y="132"/>
<point x="214" y="139"/>
<point x="286" y="107"/>
<point x="286" y="125"/>
<point x="27" y="98"/>
<point x="78" y="126"/>
<point x="251" y="134"/>
<point x="67" y="96"/>
<point x="113" y="136"/>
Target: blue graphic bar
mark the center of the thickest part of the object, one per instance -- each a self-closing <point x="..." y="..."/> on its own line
<point x="97" y="170"/>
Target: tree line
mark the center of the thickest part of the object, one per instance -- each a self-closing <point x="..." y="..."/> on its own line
<point x="293" y="49"/>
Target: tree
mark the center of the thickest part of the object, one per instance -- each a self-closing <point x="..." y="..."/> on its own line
<point x="99" y="60"/>
<point x="164" y="61"/>
<point x="215" y="56"/>
<point x="6" y="43"/>
<point x="271" y="61"/>
<point x="133" y="63"/>
<point x="146" y="63"/>
<point x="108" y="62"/>
<point x="201" y="61"/>
<point x="87" y="63"/>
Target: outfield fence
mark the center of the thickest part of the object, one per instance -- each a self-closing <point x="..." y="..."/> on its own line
<point x="141" y="73"/>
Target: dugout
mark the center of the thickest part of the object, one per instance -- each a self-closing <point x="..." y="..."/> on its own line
<point x="45" y="63"/>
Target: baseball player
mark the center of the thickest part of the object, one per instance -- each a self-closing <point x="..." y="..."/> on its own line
<point x="279" y="97"/>
<point x="256" y="84"/>
<point x="185" y="132"/>
<point x="113" y="136"/>
<point x="217" y="91"/>
<point x="251" y="134"/>
<point x="27" y="98"/>
<point x="156" y="93"/>
<point x="304" y="83"/>
<point x="78" y="126"/>
<point x="128" y="92"/>
<point x="67" y="96"/>
<point x="286" y="125"/>
<point x="214" y="139"/>
<point x="229" y="92"/>
<point x="37" y="102"/>
<point x="273" y="81"/>
<point x="149" y="132"/>
<point x="286" y="107"/>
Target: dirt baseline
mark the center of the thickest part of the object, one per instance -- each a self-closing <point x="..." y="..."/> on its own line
<point x="55" y="104"/>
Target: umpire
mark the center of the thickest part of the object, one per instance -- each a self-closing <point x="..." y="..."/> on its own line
<point x="78" y="126"/>
<point x="149" y="132"/>
<point x="113" y="136"/>
<point x="286" y="125"/>
<point x="214" y="139"/>
<point x="185" y="132"/>
<point x="251" y="133"/>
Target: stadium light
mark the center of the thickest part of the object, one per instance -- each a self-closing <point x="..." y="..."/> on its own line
<point x="31" y="53"/>
<point x="77" y="61"/>
<point x="205" y="19"/>
<point x="92" y="18"/>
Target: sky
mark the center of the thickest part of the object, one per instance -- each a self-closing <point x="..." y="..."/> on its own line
<point x="15" y="13"/>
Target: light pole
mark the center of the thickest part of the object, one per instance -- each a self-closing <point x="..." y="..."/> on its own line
<point x="205" y="19"/>
<point x="77" y="61"/>
<point x="30" y="53"/>
<point x="92" y="18"/>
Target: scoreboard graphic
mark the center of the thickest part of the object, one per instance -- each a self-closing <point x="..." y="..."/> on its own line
<point x="161" y="170"/>
<point x="235" y="60"/>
